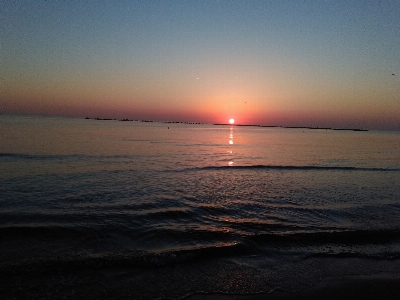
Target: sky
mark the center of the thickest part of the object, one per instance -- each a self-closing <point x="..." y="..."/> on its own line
<point x="286" y="63"/>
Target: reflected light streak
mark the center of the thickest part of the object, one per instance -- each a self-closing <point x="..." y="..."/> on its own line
<point x="230" y="163"/>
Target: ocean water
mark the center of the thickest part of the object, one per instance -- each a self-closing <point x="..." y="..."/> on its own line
<point x="235" y="209"/>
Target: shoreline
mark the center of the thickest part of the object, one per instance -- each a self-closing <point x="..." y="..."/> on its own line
<point x="219" y="280"/>
<point x="367" y="287"/>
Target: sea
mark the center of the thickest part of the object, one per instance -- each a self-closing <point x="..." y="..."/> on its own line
<point x="170" y="209"/>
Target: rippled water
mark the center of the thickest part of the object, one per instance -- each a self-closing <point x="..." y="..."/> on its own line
<point x="154" y="194"/>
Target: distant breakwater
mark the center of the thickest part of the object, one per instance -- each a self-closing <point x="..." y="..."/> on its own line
<point x="228" y="124"/>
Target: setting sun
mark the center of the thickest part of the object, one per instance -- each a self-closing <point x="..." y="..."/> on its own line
<point x="231" y="121"/>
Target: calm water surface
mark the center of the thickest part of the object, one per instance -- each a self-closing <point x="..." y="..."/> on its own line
<point x="155" y="194"/>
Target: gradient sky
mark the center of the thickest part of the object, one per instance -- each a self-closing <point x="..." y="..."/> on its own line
<point x="289" y="63"/>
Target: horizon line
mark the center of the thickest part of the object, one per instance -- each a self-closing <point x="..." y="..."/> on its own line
<point x="226" y="124"/>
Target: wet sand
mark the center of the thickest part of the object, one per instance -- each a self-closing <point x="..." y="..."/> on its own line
<point x="94" y="285"/>
<point x="181" y="282"/>
<point x="366" y="287"/>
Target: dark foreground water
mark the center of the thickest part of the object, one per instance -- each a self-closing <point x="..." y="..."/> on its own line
<point x="173" y="209"/>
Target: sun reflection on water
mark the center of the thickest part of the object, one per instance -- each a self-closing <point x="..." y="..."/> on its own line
<point x="230" y="163"/>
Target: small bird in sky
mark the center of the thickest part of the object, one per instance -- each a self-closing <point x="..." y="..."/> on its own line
<point x="393" y="74"/>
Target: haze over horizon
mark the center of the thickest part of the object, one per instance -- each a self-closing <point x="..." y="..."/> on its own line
<point x="284" y="63"/>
